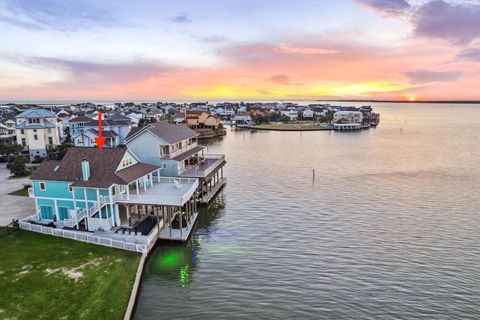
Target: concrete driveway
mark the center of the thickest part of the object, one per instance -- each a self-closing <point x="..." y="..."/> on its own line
<point x="13" y="207"/>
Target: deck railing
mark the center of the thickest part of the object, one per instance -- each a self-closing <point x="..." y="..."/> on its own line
<point x="197" y="171"/>
<point x="82" y="236"/>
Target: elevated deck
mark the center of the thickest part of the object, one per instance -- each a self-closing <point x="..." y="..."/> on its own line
<point x="206" y="198"/>
<point x="167" y="191"/>
<point x="168" y="233"/>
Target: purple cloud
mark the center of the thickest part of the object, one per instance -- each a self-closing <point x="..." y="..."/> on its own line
<point x="472" y="54"/>
<point x="425" y="76"/>
<point x="280" y="79"/>
<point x="181" y="18"/>
<point x="389" y="7"/>
<point x="457" y="23"/>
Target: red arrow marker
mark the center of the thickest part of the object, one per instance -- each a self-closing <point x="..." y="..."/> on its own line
<point x="100" y="141"/>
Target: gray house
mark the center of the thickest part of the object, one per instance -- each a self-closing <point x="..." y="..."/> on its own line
<point x="115" y="130"/>
<point x="174" y="148"/>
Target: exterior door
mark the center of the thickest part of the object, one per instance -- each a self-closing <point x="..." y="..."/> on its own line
<point x="63" y="213"/>
<point x="46" y="212"/>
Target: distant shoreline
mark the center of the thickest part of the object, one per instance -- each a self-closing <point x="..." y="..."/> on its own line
<point x="103" y="101"/>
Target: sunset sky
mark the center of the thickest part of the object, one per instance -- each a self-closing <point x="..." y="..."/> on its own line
<point x="207" y="50"/>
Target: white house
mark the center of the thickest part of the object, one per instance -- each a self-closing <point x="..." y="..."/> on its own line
<point x="36" y="129"/>
<point x="291" y="113"/>
<point x="347" y="117"/>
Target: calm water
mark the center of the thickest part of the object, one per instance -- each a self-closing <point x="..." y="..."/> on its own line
<point x="389" y="228"/>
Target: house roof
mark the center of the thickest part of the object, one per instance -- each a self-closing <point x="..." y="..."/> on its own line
<point x="81" y="118"/>
<point x="171" y="133"/>
<point x="105" y="133"/>
<point x="36" y="113"/>
<point x="103" y="168"/>
<point x="46" y="124"/>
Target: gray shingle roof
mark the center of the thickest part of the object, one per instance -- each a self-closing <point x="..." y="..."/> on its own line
<point x="171" y="133"/>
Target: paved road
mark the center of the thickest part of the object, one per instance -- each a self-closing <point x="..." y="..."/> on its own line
<point x="13" y="207"/>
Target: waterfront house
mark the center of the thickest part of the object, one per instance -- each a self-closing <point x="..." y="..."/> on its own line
<point x="7" y="130"/>
<point x="115" y="129"/>
<point x="35" y="130"/>
<point x="243" y="119"/>
<point x="174" y="148"/>
<point x="348" y="117"/>
<point x="111" y="194"/>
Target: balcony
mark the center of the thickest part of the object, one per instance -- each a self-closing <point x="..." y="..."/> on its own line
<point x="167" y="191"/>
<point x="172" y="155"/>
<point x="202" y="169"/>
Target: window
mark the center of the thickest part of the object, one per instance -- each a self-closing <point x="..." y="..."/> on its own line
<point x="35" y="137"/>
<point x="49" y="130"/>
<point x="35" y="120"/>
<point x="50" y="140"/>
<point x="164" y="166"/>
<point x="22" y="131"/>
<point x="43" y="187"/>
<point x="126" y="162"/>
<point x="24" y="142"/>
<point x="70" y="188"/>
<point x="34" y="130"/>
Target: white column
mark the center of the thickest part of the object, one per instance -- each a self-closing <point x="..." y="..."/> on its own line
<point x="128" y="191"/>
<point x="136" y="183"/>
<point x="55" y="209"/>
<point x="86" y="199"/>
<point x="99" y="205"/>
<point x="144" y="184"/>
<point x="158" y="176"/>
<point x="110" y="193"/>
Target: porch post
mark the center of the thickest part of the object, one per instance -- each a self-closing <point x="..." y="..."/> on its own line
<point x="180" y="215"/>
<point x="158" y="175"/>
<point x="110" y="193"/>
<point x="128" y="191"/>
<point x="144" y="184"/>
<point x="99" y="204"/>
<point x="55" y="209"/>
<point x="127" y="210"/>
<point x="136" y="183"/>
<point x="75" y="207"/>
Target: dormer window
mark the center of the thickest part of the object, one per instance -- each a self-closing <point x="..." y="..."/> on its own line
<point x="34" y="121"/>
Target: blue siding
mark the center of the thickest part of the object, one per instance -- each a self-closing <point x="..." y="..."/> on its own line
<point x="54" y="189"/>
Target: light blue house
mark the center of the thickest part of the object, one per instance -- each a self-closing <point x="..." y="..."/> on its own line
<point x="174" y="148"/>
<point x="110" y="191"/>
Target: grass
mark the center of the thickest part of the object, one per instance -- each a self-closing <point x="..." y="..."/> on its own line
<point x="295" y="126"/>
<point x="46" y="277"/>
<point x="21" y="192"/>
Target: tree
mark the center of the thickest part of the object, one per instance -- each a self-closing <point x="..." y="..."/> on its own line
<point x="18" y="167"/>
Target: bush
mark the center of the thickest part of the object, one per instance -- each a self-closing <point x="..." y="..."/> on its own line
<point x="18" y="167"/>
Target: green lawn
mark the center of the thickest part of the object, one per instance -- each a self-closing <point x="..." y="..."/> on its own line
<point x="21" y="192"/>
<point x="294" y="126"/>
<point x="46" y="277"/>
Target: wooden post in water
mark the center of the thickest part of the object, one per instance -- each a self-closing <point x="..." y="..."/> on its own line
<point x="313" y="174"/>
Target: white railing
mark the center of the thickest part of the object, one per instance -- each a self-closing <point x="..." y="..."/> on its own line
<point x="149" y="198"/>
<point x="180" y="151"/>
<point x="172" y="180"/>
<point x="196" y="170"/>
<point x="84" y="237"/>
<point x="99" y="223"/>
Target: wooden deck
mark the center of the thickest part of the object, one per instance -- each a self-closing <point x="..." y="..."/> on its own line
<point x="211" y="194"/>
